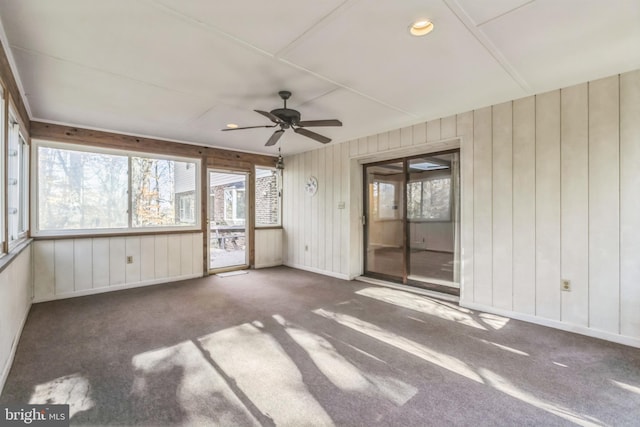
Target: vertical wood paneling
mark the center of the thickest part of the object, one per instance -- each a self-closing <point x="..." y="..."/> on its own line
<point x="186" y="254"/>
<point x="464" y="129"/>
<point x="482" y="218"/>
<point x="604" y="205"/>
<point x="299" y="165"/>
<point x="406" y="136"/>
<point x="372" y="144"/>
<point x="574" y="105"/>
<point x="420" y="133"/>
<point x="173" y="252"/>
<point x="330" y="205"/>
<point x="64" y="266"/>
<point x="100" y="251"/>
<point x="147" y="257"/>
<point x="383" y="141"/>
<point x="394" y="139"/>
<point x="313" y="227"/>
<point x="362" y="146"/>
<point x="337" y="198"/>
<point x="548" y="205"/>
<point x="43" y="269"/>
<point x="323" y="192"/>
<point x="117" y="261"/>
<point x="161" y="252"/>
<point x="433" y="130"/>
<point x="630" y="204"/>
<point x="197" y="267"/>
<point x="344" y="217"/>
<point x="353" y="147"/>
<point x="502" y="237"/>
<point x="82" y="264"/>
<point x="307" y="229"/>
<point x="132" y="248"/>
<point x="448" y="127"/>
<point x="524" y="205"/>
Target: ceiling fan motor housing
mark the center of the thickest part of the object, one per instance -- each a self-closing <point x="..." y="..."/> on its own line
<point x="290" y="117"/>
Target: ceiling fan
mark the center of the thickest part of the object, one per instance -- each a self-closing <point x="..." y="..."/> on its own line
<point x="286" y="118"/>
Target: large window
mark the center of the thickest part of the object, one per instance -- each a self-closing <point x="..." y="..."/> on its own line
<point x="101" y="191"/>
<point x="268" y="197"/>
<point x="17" y="183"/>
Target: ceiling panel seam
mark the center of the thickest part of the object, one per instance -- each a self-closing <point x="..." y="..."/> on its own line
<point x="100" y="70"/>
<point x="500" y="15"/>
<point x="246" y="44"/>
<point x="320" y="23"/>
<point x="463" y="16"/>
<point x="350" y="89"/>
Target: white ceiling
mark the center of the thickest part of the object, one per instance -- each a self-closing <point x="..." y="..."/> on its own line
<point x="183" y="69"/>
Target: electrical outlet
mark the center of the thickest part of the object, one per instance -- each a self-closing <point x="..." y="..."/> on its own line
<point x="129" y="259"/>
<point x="566" y="285"/>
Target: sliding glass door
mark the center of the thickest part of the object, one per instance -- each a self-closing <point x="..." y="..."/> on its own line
<point x="412" y="220"/>
<point x="385" y="245"/>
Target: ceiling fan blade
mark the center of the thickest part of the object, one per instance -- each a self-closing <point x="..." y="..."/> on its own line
<point x="275" y="137"/>
<point x="312" y="135"/>
<point x="248" y="127"/>
<point x="310" y="123"/>
<point x="269" y="116"/>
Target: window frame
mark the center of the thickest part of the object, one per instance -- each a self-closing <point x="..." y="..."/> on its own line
<point x="23" y="199"/>
<point x="128" y="154"/>
<point x="279" y="180"/>
<point x="3" y="186"/>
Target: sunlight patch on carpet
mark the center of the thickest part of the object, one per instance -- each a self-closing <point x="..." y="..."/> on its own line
<point x="73" y="390"/>
<point x="422" y="304"/>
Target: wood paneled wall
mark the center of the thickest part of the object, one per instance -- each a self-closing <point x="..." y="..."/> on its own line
<point x="82" y="266"/>
<point x="549" y="192"/>
<point x="268" y="247"/>
<point x="15" y="300"/>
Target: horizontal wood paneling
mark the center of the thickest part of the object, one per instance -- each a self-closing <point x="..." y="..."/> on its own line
<point x="219" y="157"/>
<point x="74" y="267"/>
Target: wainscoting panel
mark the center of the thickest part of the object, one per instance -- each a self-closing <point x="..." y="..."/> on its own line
<point x="83" y="266"/>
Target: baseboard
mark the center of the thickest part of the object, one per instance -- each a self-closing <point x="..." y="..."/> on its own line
<point x="14" y="347"/>
<point x="267" y="265"/>
<point x="319" y="271"/>
<point x="104" y="289"/>
<point x="578" y="329"/>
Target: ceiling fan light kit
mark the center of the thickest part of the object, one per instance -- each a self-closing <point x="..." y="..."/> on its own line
<point x="287" y="118"/>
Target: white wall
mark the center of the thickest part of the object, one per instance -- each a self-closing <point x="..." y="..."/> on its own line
<point x="268" y="248"/>
<point x="15" y="301"/>
<point x="549" y="192"/>
<point x="74" y="267"/>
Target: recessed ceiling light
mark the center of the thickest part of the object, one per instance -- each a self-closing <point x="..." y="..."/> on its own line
<point x="421" y="28"/>
<point x="232" y="126"/>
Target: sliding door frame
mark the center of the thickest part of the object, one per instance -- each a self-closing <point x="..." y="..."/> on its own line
<point x="406" y="250"/>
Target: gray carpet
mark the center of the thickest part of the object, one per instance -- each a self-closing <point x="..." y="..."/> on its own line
<point x="285" y="347"/>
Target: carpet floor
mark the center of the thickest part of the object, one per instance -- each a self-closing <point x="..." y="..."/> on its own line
<point x="286" y="347"/>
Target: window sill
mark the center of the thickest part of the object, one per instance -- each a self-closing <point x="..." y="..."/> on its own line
<point x="268" y="227"/>
<point x="8" y="258"/>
